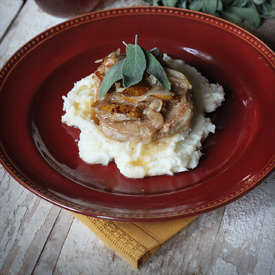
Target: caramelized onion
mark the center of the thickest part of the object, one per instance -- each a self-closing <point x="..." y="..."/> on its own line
<point x="180" y="83"/>
<point x="157" y="91"/>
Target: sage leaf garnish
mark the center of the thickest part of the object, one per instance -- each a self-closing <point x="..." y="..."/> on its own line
<point x="131" y="69"/>
<point x="112" y="76"/>
<point x="134" y="65"/>
<point x="154" y="68"/>
<point x="236" y="11"/>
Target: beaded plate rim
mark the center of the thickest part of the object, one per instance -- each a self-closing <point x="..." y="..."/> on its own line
<point x="19" y="176"/>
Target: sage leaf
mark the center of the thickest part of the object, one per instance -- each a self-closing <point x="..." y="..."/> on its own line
<point x="268" y="11"/>
<point x="196" y="5"/>
<point x="134" y="65"/>
<point x="254" y="10"/>
<point x="231" y="17"/>
<point x="227" y="2"/>
<point x="183" y="4"/>
<point x="242" y="3"/>
<point x="259" y="2"/>
<point x="112" y="76"/>
<point x="170" y="3"/>
<point x="210" y="6"/>
<point x="220" y="5"/>
<point x="249" y="14"/>
<point x="155" y="68"/>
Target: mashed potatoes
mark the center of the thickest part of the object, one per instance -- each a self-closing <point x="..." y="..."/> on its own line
<point x="167" y="155"/>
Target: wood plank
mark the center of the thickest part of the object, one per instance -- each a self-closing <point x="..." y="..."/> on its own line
<point x="83" y="253"/>
<point x="36" y="237"/>
<point x="229" y="240"/>
<point x="247" y="236"/>
<point x="8" y="12"/>
<point x="24" y="29"/>
<point x="26" y="221"/>
<point x="50" y="254"/>
<point x="39" y="239"/>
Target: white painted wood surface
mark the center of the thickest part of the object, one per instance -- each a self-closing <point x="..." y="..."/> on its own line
<point x="37" y="237"/>
<point x="8" y="12"/>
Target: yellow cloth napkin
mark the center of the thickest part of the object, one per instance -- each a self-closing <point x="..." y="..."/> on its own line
<point x="135" y="242"/>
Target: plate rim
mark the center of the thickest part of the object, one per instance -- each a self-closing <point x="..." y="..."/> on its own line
<point x="7" y="68"/>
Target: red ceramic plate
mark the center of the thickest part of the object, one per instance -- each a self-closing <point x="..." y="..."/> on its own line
<point x="41" y="152"/>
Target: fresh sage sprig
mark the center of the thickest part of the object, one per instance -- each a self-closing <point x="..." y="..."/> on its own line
<point x="134" y="65"/>
<point x="154" y="68"/>
<point x="114" y="75"/>
<point x="236" y="11"/>
<point x="131" y="69"/>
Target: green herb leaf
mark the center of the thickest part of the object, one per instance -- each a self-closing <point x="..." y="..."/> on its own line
<point x="231" y="17"/>
<point x="259" y="2"/>
<point x="112" y="76"/>
<point x="251" y="10"/>
<point x="183" y="4"/>
<point x="220" y="5"/>
<point x="210" y="6"/>
<point x="268" y="11"/>
<point x="131" y="69"/>
<point x="134" y="65"/>
<point x="154" y="68"/>
<point x="249" y="14"/>
<point x="170" y="3"/>
<point x="155" y="2"/>
<point x="196" y="5"/>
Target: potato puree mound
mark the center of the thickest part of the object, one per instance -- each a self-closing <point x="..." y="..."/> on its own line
<point x="167" y="155"/>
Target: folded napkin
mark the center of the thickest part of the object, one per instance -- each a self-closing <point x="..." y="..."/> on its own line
<point x="135" y="242"/>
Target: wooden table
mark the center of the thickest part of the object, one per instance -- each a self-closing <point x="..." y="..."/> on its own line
<point x="37" y="237"/>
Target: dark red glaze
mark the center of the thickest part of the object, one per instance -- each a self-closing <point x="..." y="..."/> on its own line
<point x="42" y="154"/>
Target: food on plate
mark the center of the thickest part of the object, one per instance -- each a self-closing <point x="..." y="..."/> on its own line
<point x="144" y="110"/>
